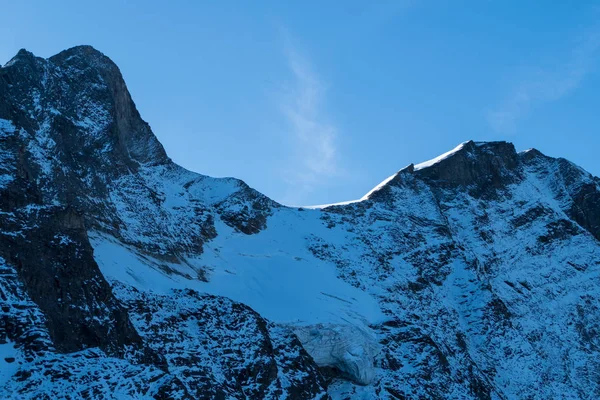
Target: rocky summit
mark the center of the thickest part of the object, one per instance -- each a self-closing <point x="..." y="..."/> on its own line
<point x="475" y="275"/>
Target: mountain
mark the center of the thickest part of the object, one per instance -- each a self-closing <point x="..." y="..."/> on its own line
<point x="475" y="275"/>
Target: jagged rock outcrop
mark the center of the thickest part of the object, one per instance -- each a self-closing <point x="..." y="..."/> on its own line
<point x="76" y="157"/>
<point x="223" y="349"/>
<point x="475" y="275"/>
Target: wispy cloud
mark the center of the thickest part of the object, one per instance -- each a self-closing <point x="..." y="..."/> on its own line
<point x="547" y="84"/>
<point x="313" y="133"/>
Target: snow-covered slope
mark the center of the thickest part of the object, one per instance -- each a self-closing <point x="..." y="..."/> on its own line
<point x="471" y="276"/>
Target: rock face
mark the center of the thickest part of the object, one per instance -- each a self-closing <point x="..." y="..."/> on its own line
<point x="75" y="158"/>
<point x="223" y="349"/>
<point x="472" y="276"/>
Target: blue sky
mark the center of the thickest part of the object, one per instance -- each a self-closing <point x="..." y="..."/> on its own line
<point x="315" y="102"/>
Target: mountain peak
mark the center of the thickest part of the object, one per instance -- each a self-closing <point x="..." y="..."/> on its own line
<point x="471" y="163"/>
<point x="471" y="149"/>
<point x="464" y="146"/>
<point x="82" y="50"/>
<point x="468" y="163"/>
<point x="85" y="52"/>
<point x="22" y="55"/>
<point x="94" y="105"/>
<point x="84" y="56"/>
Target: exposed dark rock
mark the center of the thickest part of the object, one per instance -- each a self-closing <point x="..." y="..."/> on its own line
<point x="485" y="166"/>
<point x="586" y="208"/>
<point x="73" y="152"/>
<point x="485" y="263"/>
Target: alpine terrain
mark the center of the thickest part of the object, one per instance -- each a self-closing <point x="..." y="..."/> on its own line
<point x="475" y="275"/>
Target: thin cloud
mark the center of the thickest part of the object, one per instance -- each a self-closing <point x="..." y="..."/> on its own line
<point x="313" y="134"/>
<point x="547" y="85"/>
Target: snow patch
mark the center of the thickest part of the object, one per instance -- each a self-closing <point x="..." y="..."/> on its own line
<point x="5" y="179"/>
<point x="9" y="362"/>
<point x="288" y="285"/>
<point x="417" y="167"/>
<point x="121" y="263"/>
<point x="365" y="197"/>
<point x="442" y="157"/>
<point x="6" y="125"/>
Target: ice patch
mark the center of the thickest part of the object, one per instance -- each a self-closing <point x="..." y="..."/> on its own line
<point x="345" y="347"/>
